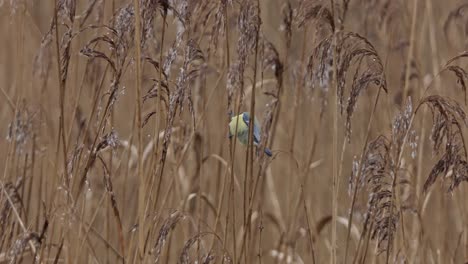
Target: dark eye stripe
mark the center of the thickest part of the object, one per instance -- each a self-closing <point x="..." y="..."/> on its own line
<point x="246" y="118"/>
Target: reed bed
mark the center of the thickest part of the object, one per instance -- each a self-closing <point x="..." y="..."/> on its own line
<point x="114" y="116"/>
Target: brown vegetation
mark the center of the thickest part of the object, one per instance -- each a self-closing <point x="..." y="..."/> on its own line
<point x="115" y="121"/>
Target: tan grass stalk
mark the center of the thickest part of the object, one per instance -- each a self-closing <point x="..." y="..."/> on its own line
<point x="250" y="150"/>
<point x="141" y="176"/>
<point x="335" y="107"/>
<point x="61" y="94"/>
<point x="18" y="217"/>
<point x="309" y="229"/>
<point x="435" y="70"/>
<point x="409" y="58"/>
<point x="358" y="176"/>
<point x="158" y="108"/>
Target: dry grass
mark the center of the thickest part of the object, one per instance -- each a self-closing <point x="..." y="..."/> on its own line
<point x="115" y="121"/>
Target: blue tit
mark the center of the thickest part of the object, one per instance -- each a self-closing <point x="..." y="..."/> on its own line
<point x="242" y="122"/>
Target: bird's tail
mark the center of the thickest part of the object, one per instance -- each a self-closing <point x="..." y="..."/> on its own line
<point x="268" y="152"/>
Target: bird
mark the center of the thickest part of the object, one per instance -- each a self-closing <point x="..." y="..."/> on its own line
<point x="242" y="122"/>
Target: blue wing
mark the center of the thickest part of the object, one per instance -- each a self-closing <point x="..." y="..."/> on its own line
<point x="256" y="129"/>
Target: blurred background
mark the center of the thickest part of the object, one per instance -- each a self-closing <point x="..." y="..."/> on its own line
<point x="108" y="159"/>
